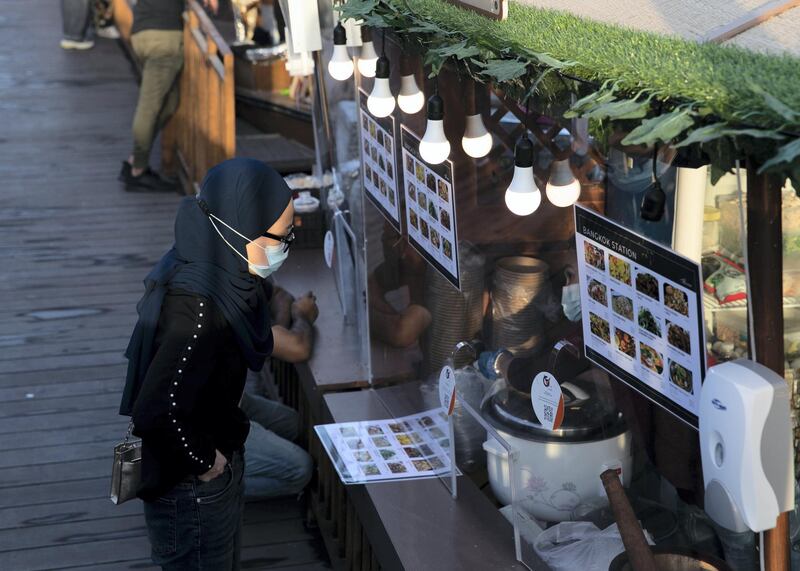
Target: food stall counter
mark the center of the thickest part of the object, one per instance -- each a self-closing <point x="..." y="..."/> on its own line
<point x="417" y="524"/>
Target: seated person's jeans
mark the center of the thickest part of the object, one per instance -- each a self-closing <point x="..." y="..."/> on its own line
<point x="274" y="465"/>
<point x="76" y="16"/>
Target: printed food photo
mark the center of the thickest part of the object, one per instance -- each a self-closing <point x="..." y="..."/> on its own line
<point x="676" y="299"/>
<point x="678" y="337"/>
<point x="680" y="376"/>
<point x="651" y="358"/>
<point x="599" y="326"/>
<point x="647" y="284"/>
<point x="620" y="269"/>
<point x="648" y="322"/>
<point x="594" y="256"/>
<point x="622" y="305"/>
<point x="598" y="292"/>
<point x="625" y="343"/>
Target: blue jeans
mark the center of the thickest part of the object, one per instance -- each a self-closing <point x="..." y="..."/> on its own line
<point x="76" y="16"/>
<point x="197" y="525"/>
<point x="275" y="465"/>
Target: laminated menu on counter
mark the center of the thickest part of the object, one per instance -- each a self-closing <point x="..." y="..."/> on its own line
<point x="414" y="446"/>
<point x="430" y="209"/>
<point x="641" y="305"/>
<point x="378" y="162"/>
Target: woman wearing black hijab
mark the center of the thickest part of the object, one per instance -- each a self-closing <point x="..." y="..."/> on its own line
<point x="203" y="321"/>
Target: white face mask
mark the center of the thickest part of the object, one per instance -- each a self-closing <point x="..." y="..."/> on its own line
<point x="571" y="301"/>
<point x="276" y="254"/>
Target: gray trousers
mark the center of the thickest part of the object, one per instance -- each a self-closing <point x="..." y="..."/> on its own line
<point x="76" y="15"/>
<point x="161" y="55"/>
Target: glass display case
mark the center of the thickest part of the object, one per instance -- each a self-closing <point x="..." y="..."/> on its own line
<point x="456" y="279"/>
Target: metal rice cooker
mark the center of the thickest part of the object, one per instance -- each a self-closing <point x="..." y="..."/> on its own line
<point x="557" y="470"/>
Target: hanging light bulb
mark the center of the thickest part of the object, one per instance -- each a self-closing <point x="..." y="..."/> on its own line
<point x="411" y="100"/>
<point x="434" y="148"/>
<point x="381" y="101"/>
<point x="341" y="66"/>
<point x="368" y="59"/>
<point x="562" y="189"/>
<point x="477" y="141"/>
<point x="523" y="197"/>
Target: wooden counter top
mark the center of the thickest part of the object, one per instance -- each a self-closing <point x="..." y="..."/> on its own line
<point x="416" y="524"/>
<point x="336" y="363"/>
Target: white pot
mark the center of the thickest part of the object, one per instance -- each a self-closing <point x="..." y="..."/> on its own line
<point x="556" y="477"/>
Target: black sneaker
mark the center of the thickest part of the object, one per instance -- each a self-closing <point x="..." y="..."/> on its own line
<point x="148" y="181"/>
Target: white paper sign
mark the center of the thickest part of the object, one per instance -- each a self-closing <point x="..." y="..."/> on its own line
<point x="327" y="248"/>
<point x="447" y="389"/>
<point x="641" y="305"/>
<point x="547" y="401"/>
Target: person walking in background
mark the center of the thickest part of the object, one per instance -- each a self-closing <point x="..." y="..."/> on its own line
<point x="76" y="17"/>
<point x="157" y="40"/>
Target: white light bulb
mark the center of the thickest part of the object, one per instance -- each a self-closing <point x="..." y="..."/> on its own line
<point x="564" y="196"/>
<point x="411" y="100"/>
<point x="434" y="148"/>
<point x="477" y="141"/>
<point x="381" y="101"/>
<point x="341" y="66"/>
<point x="562" y="189"/>
<point x="523" y="197"/>
<point x="368" y="59"/>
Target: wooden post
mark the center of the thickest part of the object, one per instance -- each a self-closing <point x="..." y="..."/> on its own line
<point x="765" y="260"/>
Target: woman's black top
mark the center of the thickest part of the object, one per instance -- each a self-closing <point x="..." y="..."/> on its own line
<point x="188" y="405"/>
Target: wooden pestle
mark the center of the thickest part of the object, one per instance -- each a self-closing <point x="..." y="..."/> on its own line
<point x="639" y="554"/>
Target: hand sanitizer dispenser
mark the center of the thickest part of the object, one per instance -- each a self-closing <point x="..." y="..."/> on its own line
<point x="746" y="445"/>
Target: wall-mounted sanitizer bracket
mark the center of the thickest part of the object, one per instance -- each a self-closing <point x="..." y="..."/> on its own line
<point x="746" y="445"/>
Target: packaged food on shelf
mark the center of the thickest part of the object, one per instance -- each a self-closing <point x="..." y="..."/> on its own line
<point x="727" y="282"/>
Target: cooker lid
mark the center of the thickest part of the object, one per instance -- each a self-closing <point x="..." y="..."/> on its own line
<point x="586" y="416"/>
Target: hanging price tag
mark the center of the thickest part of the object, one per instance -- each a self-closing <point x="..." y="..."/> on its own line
<point x="447" y="389"/>
<point x="327" y="248"/>
<point x="547" y="401"/>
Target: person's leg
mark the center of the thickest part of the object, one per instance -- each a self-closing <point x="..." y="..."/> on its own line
<point x="274" y="466"/>
<point x="272" y="415"/>
<point x="219" y="512"/>
<point x="170" y="106"/>
<point x="76" y="16"/>
<point x="161" y="53"/>
<point x="173" y="529"/>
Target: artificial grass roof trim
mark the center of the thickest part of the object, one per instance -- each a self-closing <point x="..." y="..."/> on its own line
<point x="750" y="99"/>
<point x="710" y="75"/>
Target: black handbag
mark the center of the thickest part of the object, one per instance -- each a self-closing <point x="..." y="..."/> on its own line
<point x="126" y="473"/>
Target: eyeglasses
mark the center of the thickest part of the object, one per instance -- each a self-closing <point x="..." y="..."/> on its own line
<point x="285" y="240"/>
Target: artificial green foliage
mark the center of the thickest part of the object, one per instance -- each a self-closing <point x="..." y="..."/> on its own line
<point x="726" y="101"/>
<point x="662" y="128"/>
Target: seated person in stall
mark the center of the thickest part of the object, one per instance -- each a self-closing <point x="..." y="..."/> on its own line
<point x="401" y="266"/>
<point x="274" y="465"/>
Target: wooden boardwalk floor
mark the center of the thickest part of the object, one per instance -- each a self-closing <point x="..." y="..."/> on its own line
<point x="73" y="251"/>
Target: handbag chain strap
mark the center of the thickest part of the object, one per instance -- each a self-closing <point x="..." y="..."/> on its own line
<point x="128" y="433"/>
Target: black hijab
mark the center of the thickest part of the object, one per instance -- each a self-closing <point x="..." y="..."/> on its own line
<point x="249" y="196"/>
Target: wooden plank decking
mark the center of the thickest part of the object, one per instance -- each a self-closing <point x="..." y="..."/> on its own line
<point x="73" y="251"/>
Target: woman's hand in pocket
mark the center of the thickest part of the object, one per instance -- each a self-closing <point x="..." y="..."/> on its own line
<point x="216" y="470"/>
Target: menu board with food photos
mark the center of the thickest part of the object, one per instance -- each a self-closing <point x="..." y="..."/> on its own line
<point x="641" y="305"/>
<point x="430" y="208"/>
<point x="414" y="446"/>
<point x="378" y="163"/>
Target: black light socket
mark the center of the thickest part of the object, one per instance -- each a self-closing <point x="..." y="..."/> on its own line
<point x="339" y="35"/>
<point x="653" y="203"/>
<point x="435" y="108"/>
<point x="382" y="69"/>
<point x="523" y="153"/>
